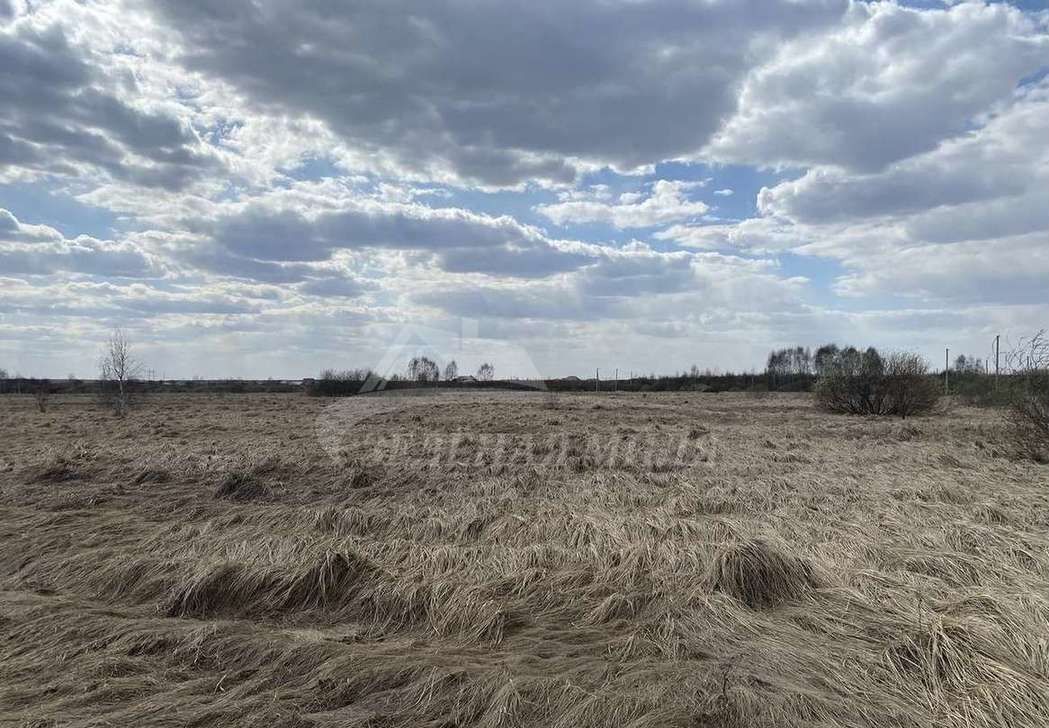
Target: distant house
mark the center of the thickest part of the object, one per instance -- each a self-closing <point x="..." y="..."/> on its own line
<point x="466" y="378"/>
<point x="572" y="378"/>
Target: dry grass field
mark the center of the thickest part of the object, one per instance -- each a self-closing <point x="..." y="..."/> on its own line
<point x="518" y="560"/>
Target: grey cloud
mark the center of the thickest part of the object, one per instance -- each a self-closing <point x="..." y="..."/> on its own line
<point x="218" y="260"/>
<point x="637" y="275"/>
<point x="542" y="302"/>
<point x="830" y="195"/>
<point x="55" y="116"/>
<point x="457" y="240"/>
<point x="287" y="235"/>
<point x="495" y="93"/>
<point x="888" y="83"/>
<point x="537" y="261"/>
<point x="1014" y="271"/>
<point x="334" y="286"/>
<point x="106" y="299"/>
<point x="965" y="222"/>
<point x="41" y="250"/>
<point x="88" y="258"/>
<point x="160" y="305"/>
<point x="628" y="284"/>
<point x="993" y="171"/>
<point x="272" y="235"/>
<point x="8" y="223"/>
<point x="984" y="220"/>
<point x="667" y="203"/>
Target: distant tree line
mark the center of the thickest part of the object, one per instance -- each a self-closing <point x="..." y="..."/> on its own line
<point x="802" y="362"/>
<point x="844" y="379"/>
<point x="420" y="371"/>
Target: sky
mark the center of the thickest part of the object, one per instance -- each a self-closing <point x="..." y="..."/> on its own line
<point x="267" y="188"/>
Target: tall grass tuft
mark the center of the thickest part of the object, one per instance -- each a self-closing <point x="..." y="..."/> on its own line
<point x="761" y="575"/>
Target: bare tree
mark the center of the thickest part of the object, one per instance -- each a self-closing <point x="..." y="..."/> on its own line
<point x="789" y="366"/>
<point x="423" y="369"/>
<point x="968" y="365"/>
<point x="824" y="358"/>
<point x="117" y="367"/>
<point x="486" y="372"/>
<point x="451" y="371"/>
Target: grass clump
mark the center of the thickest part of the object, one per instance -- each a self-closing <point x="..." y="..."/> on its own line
<point x="60" y="467"/>
<point x="761" y="575"/>
<point x="327" y="581"/>
<point x="330" y="581"/>
<point x="241" y="486"/>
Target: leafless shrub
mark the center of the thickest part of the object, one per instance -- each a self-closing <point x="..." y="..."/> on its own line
<point x="1028" y="411"/>
<point x="869" y="384"/>
<point x="42" y="395"/>
<point x="909" y="388"/>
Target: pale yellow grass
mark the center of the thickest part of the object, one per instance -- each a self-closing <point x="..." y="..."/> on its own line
<point x="205" y="562"/>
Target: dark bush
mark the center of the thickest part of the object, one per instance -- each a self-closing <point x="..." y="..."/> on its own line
<point x="869" y="384"/>
<point x="982" y="390"/>
<point x="334" y="383"/>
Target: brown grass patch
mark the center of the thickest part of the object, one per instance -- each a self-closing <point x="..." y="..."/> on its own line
<point x="856" y="574"/>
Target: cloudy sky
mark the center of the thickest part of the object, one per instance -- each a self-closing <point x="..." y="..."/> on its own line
<point x="266" y="187"/>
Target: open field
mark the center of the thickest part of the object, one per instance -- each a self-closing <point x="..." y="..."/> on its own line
<point x="517" y="560"/>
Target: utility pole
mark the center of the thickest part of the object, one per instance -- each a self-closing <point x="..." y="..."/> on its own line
<point x="946" y="370"/>
<point x="615" y="387"/>
<point x="597" y="380"/>
<point x="996" y="338"/>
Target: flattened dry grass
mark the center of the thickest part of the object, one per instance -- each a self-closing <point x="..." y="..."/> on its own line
<point x="206" y="563"/>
